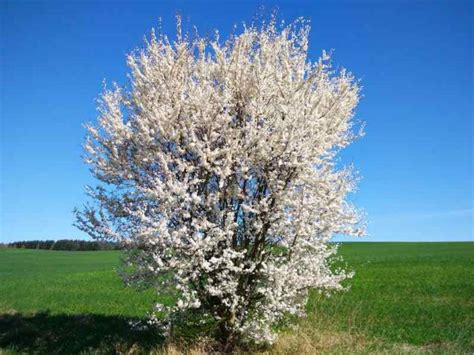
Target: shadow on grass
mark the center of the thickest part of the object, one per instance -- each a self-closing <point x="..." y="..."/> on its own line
<point x="71" y="334"/>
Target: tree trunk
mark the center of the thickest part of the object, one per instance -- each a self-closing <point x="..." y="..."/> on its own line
<point x="228" y="336"/>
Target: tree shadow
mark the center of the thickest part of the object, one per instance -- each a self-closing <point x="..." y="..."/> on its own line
<point x="71" y="334"/>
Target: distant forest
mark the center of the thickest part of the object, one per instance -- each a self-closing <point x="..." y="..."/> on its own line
<point x="64" y="244"/>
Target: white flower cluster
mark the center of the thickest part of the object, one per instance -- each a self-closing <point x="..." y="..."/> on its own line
<point x="219" y="173"/>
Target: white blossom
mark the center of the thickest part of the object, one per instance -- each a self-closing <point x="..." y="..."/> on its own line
<point x="219" y="174"/>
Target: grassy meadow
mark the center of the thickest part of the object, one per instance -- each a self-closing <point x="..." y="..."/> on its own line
<point x="404" y="298"/>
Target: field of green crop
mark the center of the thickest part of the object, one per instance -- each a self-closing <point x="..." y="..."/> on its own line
<point x="405" y="298"/>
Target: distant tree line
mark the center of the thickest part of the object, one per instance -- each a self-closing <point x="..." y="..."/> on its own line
<point x="65" y="244"/>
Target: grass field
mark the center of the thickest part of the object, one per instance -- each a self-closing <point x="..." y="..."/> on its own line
<point x="405" y="298"/>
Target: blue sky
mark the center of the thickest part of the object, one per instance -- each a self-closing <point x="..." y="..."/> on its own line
<point x="414" y="59"/>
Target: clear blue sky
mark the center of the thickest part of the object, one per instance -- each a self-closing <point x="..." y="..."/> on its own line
<point x="414" y="59"/>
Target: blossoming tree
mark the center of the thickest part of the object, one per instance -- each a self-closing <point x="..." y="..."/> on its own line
<point x="219" y="175"/>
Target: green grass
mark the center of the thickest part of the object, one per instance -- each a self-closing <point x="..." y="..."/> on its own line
<point x="64" y="282"/>
<point x="411" y="294"/>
